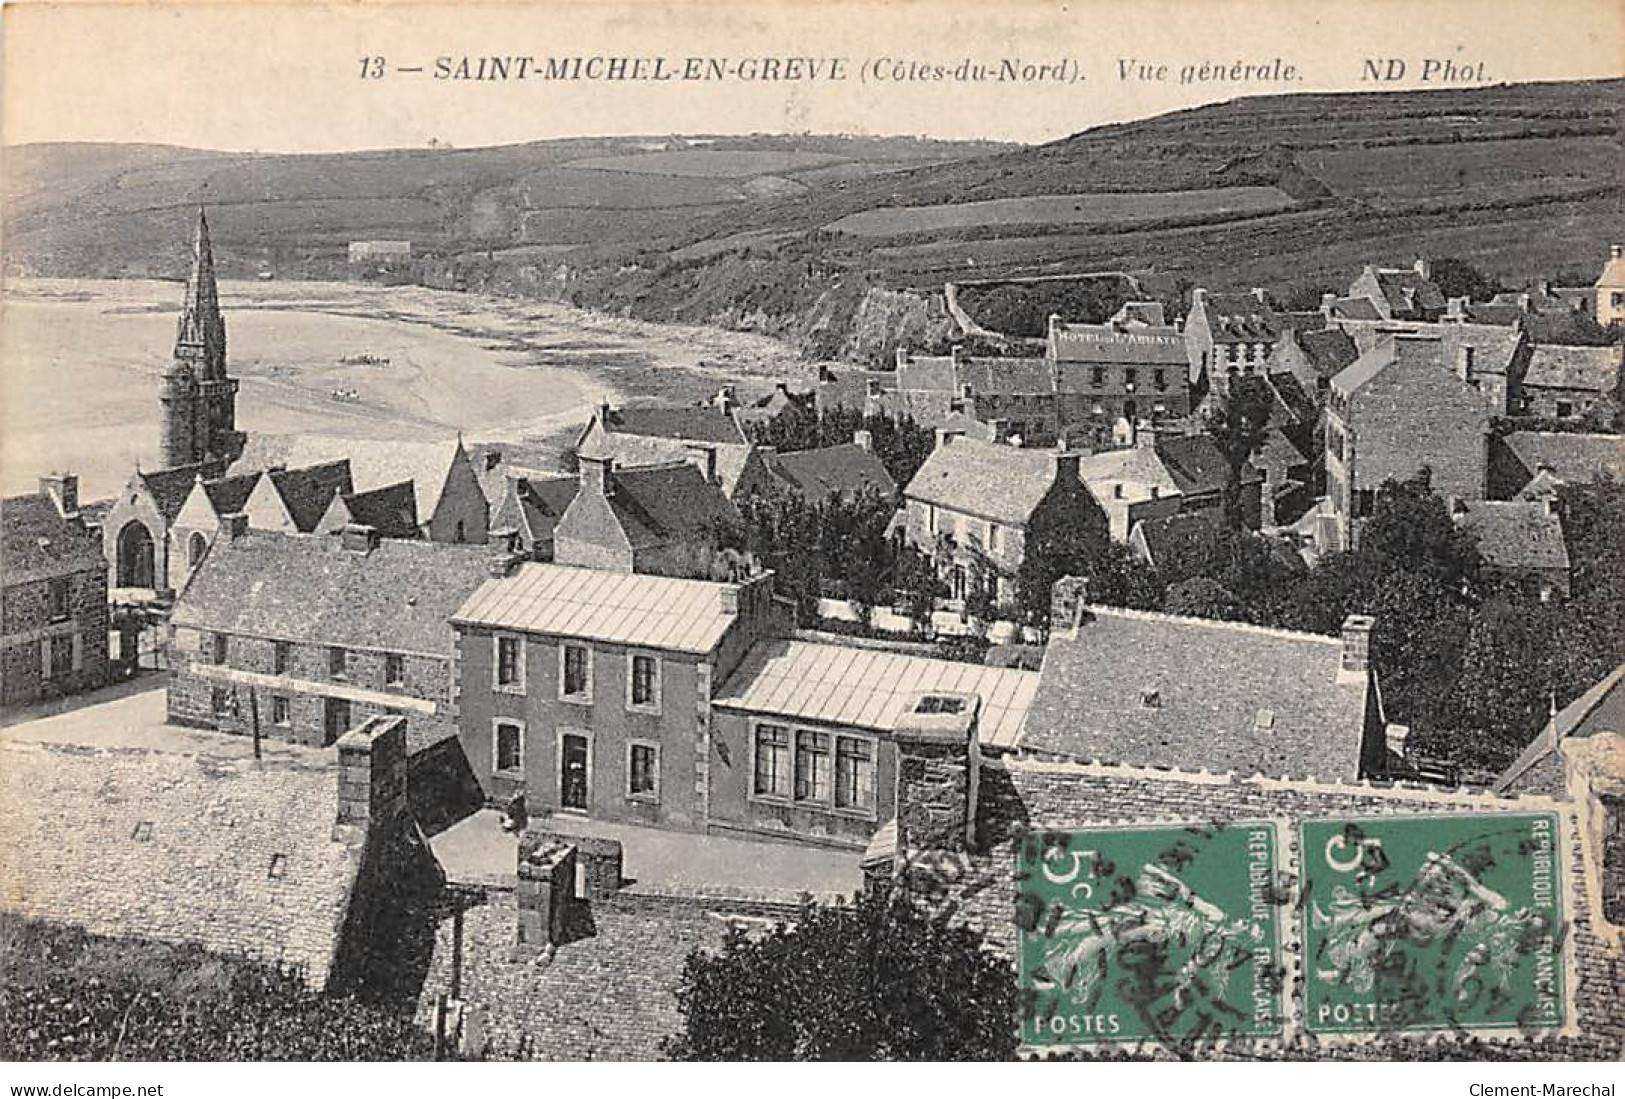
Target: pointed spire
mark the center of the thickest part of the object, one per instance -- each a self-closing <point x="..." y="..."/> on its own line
<point x="202" y="332"/>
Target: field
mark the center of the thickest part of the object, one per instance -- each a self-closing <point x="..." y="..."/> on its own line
<point x="1076" y="209"/>
<point x="79" y="390"/>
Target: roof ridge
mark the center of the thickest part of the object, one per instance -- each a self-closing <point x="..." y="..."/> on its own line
<point x="1215" y="623"/>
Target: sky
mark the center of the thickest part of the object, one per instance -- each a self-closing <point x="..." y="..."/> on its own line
<point x="287" y="77"/>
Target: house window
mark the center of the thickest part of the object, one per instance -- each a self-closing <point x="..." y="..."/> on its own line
<point x="508" y="672"/>
<point x="59" y="599"/>
<point x="338" y="661"/>
<point x="643" y="771"/>
<point x="219" y="648"/>
<point x="196" y="546"/>
<point x="812" y="766"/>
<point x="1131" y="377"/>
<point x="1160" y="378"/>
<point x="508" y="747"/>
<point x="643" y="682"/>
<point x="854" y="773"/>
<point x="993" y="538"/>
<point x="280" y="651"/>
<point x="1233" y="353"/>
<point x="575" y="675"/>
<point x="220" y="702"/>
<point x="281" y="713"/>
<point x="1097" y="375"/>
<point x="394" y="669"/>
<point x="61" y="655"/>
<point x="1565" y="408"/>
<point x="772" y="761"/>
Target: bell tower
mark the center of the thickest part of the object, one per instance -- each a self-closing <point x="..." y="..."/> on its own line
<point x="198" y="397"/>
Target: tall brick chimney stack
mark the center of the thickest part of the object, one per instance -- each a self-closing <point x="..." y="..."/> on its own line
<point x="63" y="489"/>
<point x="1354" y="662"/>
<point x="938" y="772"/>
<point x="372" y="776"/>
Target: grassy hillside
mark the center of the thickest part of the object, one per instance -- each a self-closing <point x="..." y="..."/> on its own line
<point x="789" y="234"/>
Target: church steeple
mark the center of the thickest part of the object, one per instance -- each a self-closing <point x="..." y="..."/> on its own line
<point x="197" y="398"/>
<point x="201" y="334"/>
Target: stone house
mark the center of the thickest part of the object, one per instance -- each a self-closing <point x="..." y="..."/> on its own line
<point x="976" y="502"/>
<point x="1109" y="378"/>
<point x="1131" y="484"/>
<point x="307" y="635"/>
<point x="846" y="471"/>
<point x="1572" y="458"/>
<point x="1314" y="356"/>
<point x="287" y="860"/>
<point x="1395" y="411"/>
<point x="1563" y="383"/>
<point x="1400" y="293"/>
<point x="293" y="501"/>
<point x="708" y="437"/>
<point x="662" y="519"/>
<point x="1520" y="542"/>
<point x="1229" y="336"/>
<point x="1610" y="288"/>
<point x="53" y="598"/>
<point x="590" y="691"/>
<point x="391" y="511"/>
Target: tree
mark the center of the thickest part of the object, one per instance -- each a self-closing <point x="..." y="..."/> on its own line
<point x="1201" y="597"/>
<point x="1071" y="542"/>
<point x="1456" y="278"/>
<point x="1238" y="425"/>
<point x="883" y="980"/>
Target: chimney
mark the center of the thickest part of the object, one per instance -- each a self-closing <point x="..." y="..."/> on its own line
<point x="725" y="399"/>
<point x="1143" y="435"/>
<point x="502" y="563"/>
<point x="872" y="389"/>
<point x="493" y="458"/>
<point x="597" y="475"/>
<point x="1068" y="603"/>
<point x="956" y="354"/>
<point x="1066" y="466"/>
<point x="903" y="358"/>
<point x="939" y="766"/>
<point x="728" y="599"/>
<point x="863" y="438"/>
<point x="1616" y="251"/>
<point x="545" y="890"/>
<point x="945" y="436"/>
<point x="1000" y="430"/>
<point x="1396" y="736"/>
<point x="1354" y="662"/>
<point x="1455" y="309"/>
<point x="1423" y="268"/>
<point x="372" y="777"/>
<point x="63" y="489"/>
<point x="234" y="525"/>
<point x="705" y="459"/>
<point x="1261" y="296"/>
<point x="1326" y="302"/>
<point x="358" y="538"/>
<point x="1198" y="298"/>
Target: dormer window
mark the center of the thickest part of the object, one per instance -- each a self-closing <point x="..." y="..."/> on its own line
<point x="1151" y="700"/>
<point x="1264" y="720"/>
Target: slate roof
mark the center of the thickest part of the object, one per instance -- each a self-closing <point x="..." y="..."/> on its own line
<point x="1129" y="345"/>
<point x="535" y="505"/>
<point x="927" y="372"/>
<point x="699" y="423"/>
<point x="1238" y="318"/>
<point x="869" y="688"/>
<point x="1539" y="768"/>
<point x="1595" y="369"/>
<point x="391" y="511"/>
<point x="630" y="451"/>
<point x="657" y="612"/>
<point x="1133" y="467"/>
<point x="656" y="504"/>
<point x="1496" y="313"/>
<point x="307" y="492"/>
<point x="847" y="470"/>
<point x="1141" y="312"/>
<point x="990" y="480"/>
<point x="1355" y="309"/>
<point x="1328" y="350"/>
<point x="1516" y="534"/>
<point x="227" y="495"/>
<point x="1574" y="458"/>
<point x="37" y="540"/>
<point x="1178" y="544"/>
<point x="374" y="463"/>
<point x="1156" y="690"/>
<point x="1406" y="290"/>
<point x="298" y="588"/>
<point x="990" y="376"/>
<point x="1495" y="348"/>
<point x="1197" y="465"/>
<point x="178" y="847"/>
<point x="170" y="488"/>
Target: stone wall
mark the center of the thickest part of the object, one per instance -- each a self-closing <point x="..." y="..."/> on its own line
<point x="25" y="622"/>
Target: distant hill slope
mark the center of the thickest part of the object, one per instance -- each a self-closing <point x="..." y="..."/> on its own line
<point x="795" y="235"/>
<point x="81" y="209"/>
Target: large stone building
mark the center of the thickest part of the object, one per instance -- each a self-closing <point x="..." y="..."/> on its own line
<point x="1397" y="410"/>
<point x="1229" y="336"/>
<point x="709" y="437"/>
<point x="304" y="636"/>
<point x="53" y="598"/>
<point x="974" y="506"/>
<point x="1110" y="378"/>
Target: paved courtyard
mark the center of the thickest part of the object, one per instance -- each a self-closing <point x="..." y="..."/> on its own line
<point x="476" y="851"/>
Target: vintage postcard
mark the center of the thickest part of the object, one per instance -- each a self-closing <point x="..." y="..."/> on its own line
<point x="771" y="530"/>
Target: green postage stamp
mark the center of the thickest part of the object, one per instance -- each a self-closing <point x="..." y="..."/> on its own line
<point x="1160" y="933"/>
<point x="1432" y="923"/>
